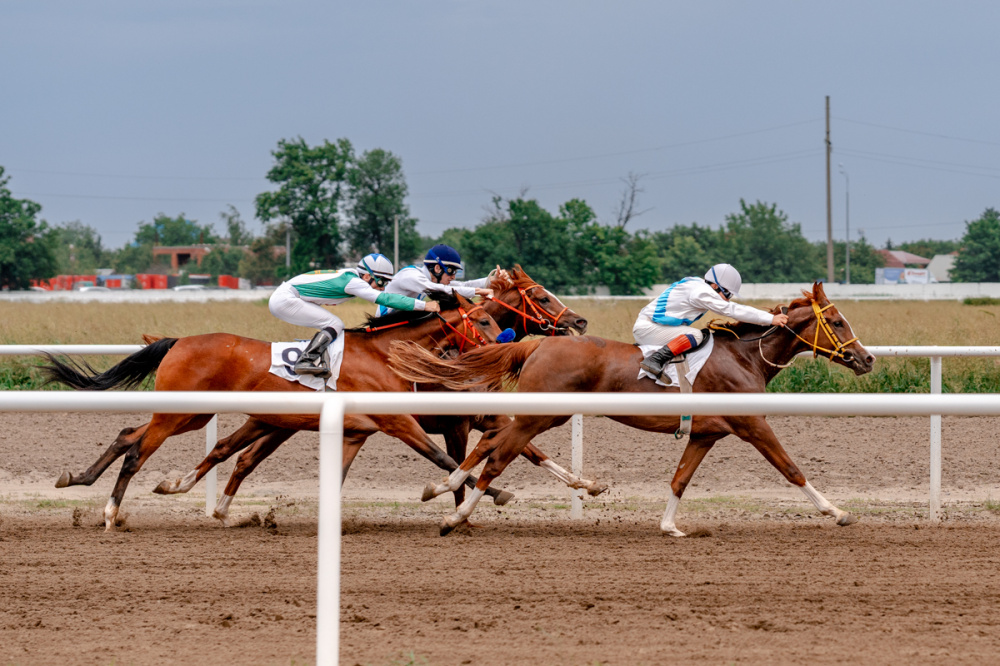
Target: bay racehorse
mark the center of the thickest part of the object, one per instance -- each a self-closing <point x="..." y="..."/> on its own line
<point x="518" y="303"/>
<point x="226" y="362"/>
<point x="744" y="359"/>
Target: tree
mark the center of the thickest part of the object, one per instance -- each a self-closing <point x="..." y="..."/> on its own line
<point x="26" y="244"/>
<point x="978" y="259"/>
<point x="761" y="243"/>
<point x="686" y="251"/>
<point x="263" y="264"/>
<point x="928" y="248"/>
<point x="864" y="260"/>
<point x="236" y="228"/>
<point x="78" y="249"/>
<point x="376" y="199"/>
<point x="166" y="230"/>
<point x="311" y="184"/>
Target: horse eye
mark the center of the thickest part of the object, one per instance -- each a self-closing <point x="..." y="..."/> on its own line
<point x="544" y="300"/>
<point x="838" y="324"/>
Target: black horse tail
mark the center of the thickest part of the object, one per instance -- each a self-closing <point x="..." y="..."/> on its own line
<point x="128" y="374"/>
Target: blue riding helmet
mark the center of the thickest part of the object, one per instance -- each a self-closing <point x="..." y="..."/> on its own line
<point x="444" y="256"/>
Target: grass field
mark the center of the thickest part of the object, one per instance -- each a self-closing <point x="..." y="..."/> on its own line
<point x="875" y="322"/>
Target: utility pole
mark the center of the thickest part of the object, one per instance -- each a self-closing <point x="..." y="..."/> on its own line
<point x="288" y="249"/>
<point x="395" y="242"/>
<point x="829" y="212"/>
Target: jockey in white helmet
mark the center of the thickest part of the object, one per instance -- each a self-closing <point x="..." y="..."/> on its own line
<point x="298" y="302"/>
<point x="667" y="319"/>
<point x="437" y="274"/>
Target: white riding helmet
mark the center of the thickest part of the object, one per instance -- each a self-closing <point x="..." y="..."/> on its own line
<point x="726" y="277"/>
<point x="377" y="265"/>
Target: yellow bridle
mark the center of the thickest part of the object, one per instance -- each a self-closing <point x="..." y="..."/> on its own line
<point x="824" y="325"/>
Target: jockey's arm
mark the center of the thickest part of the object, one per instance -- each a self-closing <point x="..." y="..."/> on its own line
<point x="362" y="289"/>
<point x="709" y="300"/>
<point x="417" y="282"/>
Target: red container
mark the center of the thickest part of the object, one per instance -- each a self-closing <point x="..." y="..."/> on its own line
<point x="159" y="282"/>
<point x="113" y="283"/>
<point x="229" y="282"/>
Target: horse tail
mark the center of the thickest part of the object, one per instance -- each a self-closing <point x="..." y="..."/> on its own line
<point x="484" y="368"/>
<point x="127" y="374"/>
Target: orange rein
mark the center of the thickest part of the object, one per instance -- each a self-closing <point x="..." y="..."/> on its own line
<point x="466" y="326"/>
<point x="539" y="311"/>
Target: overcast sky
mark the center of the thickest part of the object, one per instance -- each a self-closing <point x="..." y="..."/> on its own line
<point x="113" y="112"/>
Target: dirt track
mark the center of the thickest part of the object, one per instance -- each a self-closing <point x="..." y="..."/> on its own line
<point x="769" y="581"/>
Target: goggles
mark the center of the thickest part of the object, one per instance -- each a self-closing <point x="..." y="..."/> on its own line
<point x="448" y="270"/>
<point x="379" y="280"/>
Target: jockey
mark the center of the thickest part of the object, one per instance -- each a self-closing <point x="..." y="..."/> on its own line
<point x="298" y="301"/>
<point x="667" y="319"/>
<point x="437" y="274"/>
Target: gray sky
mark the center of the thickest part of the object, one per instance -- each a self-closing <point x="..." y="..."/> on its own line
<point x="115" y="111"/>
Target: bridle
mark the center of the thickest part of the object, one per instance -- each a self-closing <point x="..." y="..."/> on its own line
<point x="546" y="320"/>
<point x="822" y="324"/>
<point x="477" y="339"/>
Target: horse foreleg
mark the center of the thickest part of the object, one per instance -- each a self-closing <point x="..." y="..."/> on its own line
<point x="246" y="463"/>
<point x="406" y="429"/>
<point x="126" y="440"/>
<point x="160" y="427"/>
<point x="695" y="451"/>
<point x="456" y="439"/>
<point x="764" y="440"/>
<point x="463" y="474"/>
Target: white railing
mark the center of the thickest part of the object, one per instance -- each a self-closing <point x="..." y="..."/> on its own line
<point x="332" y="407"/>
<point x="935" y="353"/>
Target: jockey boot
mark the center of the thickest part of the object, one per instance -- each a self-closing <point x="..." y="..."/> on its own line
<point x="666" y="354"/>
<point x="312" y="361"/>
<point x="657" y="360"/>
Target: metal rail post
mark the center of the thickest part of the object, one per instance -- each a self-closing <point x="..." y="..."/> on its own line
<point x="331" y="443"/>
<point x="211" y="479"/>
<point x="934" y="512"/>
<point x="576" y="502"/>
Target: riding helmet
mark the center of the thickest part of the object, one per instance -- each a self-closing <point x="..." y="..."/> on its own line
<point x="444" y="256"/>
<point x="377" y="265"/>
<point x="726" y="277"/>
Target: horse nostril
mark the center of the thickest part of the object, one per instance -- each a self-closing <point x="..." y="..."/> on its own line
<point x="581" y="322"/>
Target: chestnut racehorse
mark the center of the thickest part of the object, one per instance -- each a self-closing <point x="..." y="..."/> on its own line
<point x="745" y="358"/>
<point x="518" y="303"/>
<point x="225" y="362"/>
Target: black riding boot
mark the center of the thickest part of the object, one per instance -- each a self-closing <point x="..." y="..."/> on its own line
<point x="657" y="360"/>
<point x="312" y="361"/>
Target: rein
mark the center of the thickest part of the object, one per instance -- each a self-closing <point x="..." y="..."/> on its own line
<point x="821" y="324"/>
<point x="540" y="312"/>
<point x="480" y="340"/>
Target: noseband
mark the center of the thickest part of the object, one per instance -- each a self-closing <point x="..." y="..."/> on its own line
<point x="541" y="315"/>
<point x="467" y="326"/>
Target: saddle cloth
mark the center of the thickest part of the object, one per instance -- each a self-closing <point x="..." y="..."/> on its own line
<point x="696" y="359"/>
<point x="285" y="354"/>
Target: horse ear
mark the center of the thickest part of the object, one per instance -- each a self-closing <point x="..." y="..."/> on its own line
<point x="818" y="293"/>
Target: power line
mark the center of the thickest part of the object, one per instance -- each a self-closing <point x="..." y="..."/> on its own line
<point x="901" y="162"/>
<point x="931" y="134"/>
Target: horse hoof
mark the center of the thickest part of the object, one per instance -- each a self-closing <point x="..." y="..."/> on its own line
<point x="503" y="497"/>
<point x="672" y="532"/>
<point x="446" y="528"/>
<point x="846" y="519"/>
<point x="597" y="489"/>
<point x="163" y="488"/>
<point x="63" y="480"/>
<point x="429" y="493"/>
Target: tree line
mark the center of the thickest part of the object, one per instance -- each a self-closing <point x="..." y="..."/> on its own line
<point x="336" y="206"/>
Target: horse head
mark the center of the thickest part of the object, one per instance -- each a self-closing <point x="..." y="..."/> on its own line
<point x="820" y="327"/>
<point x="530" y="309"/>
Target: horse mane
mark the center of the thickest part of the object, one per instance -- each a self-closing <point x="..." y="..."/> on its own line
<point x="516" y="279"/>
<point x="742" y="328"/>
<point x="448" y="301"/>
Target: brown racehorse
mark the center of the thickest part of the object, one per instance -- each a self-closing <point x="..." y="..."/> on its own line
<point x="225" y="362"/>
<point x="744" y="359"/>
<point x="518" y="303"/>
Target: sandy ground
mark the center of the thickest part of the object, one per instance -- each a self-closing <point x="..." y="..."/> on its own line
<point x="763" y="579"/>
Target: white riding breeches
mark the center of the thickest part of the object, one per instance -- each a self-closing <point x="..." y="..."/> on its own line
<point x="286" y="304"/>
<point x="648" y="333"/>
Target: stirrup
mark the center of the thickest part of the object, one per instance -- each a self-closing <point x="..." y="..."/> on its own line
<point x="313" y="366"/>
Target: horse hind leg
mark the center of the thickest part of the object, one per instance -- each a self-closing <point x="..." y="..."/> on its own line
<point x="246" y="463"/>
<point x="126" y="439"/>
<point x="695" y="451"/>
<point x="159" y="429"/>
<point x="537" y="457"/>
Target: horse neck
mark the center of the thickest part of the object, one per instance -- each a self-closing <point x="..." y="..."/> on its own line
<point x="779" y="348"/>
<point x="425" y="333"/>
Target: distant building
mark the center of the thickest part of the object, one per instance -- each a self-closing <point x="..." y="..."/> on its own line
<point x="901" y="259"/>
<point x="941" y="265"/>
<point x="181" y="255"/>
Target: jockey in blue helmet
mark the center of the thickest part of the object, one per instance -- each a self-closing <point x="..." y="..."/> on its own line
<point x="441" y="264"/>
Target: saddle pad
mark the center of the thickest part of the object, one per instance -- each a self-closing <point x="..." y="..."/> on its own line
<point x="695" y="359"/>
<point x="285" y="354"/>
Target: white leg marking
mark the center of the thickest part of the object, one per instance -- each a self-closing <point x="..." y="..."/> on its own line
<point x="110" y="513"/>
<point x="567" y="477"/>
<point x="187" y="483"/>
<point x="222" y="509"/>
<point x="466" y="508"/>
<point x="667" y="523"/>
<point x="823" y="504"/>
<point x="454" y="481"/>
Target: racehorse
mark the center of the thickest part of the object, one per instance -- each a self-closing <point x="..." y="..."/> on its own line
<point x="518" y="303"/>
<point x="226" y="362"/>
<point x="744" y="359"/>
